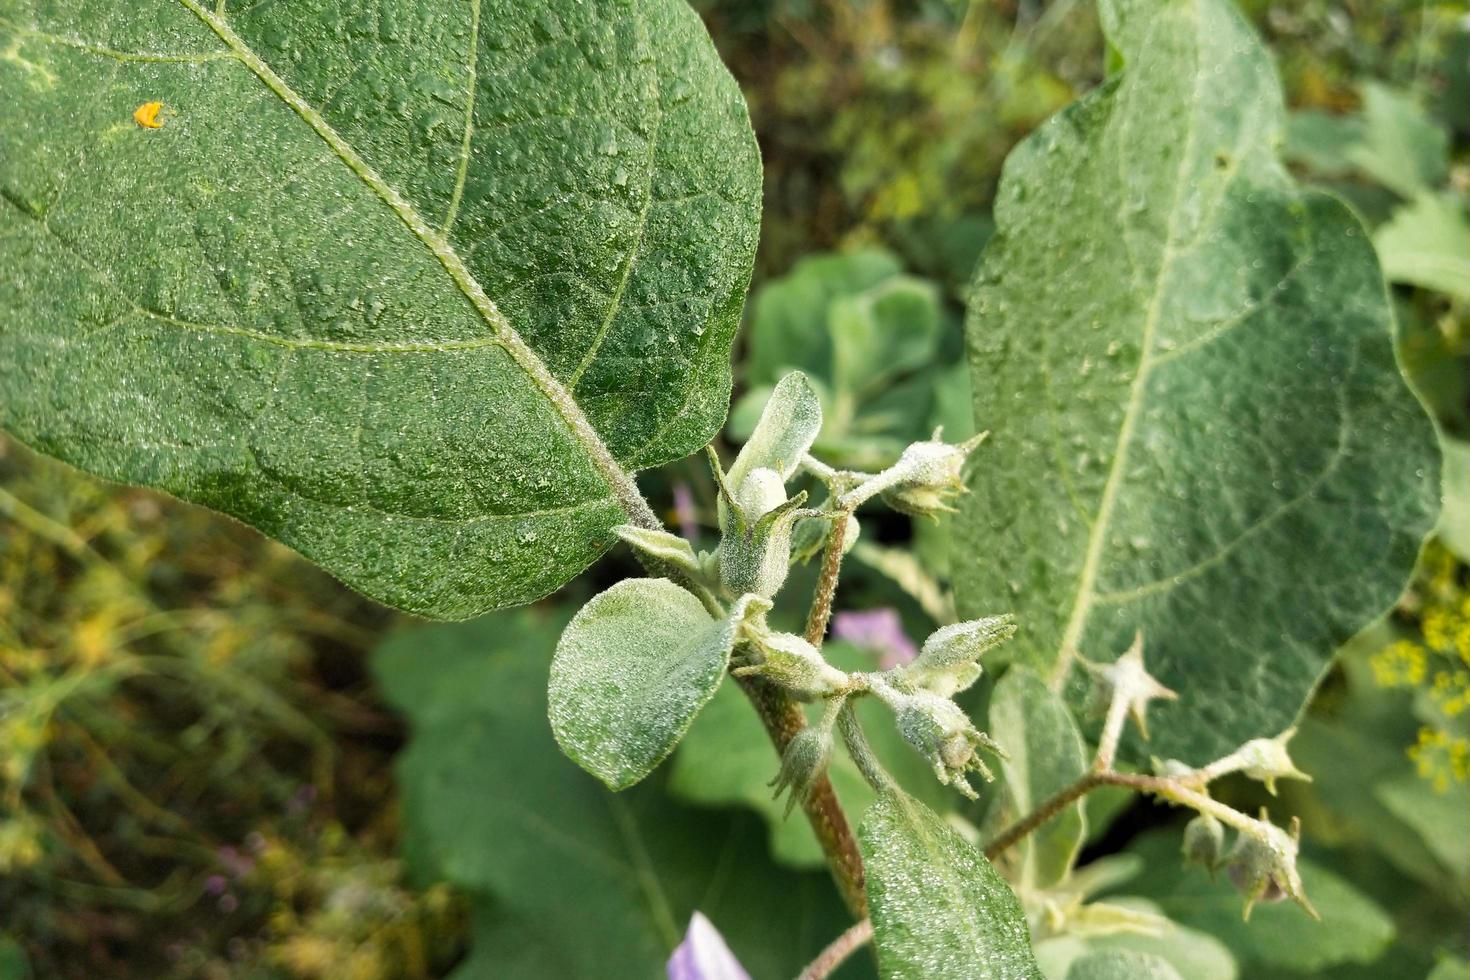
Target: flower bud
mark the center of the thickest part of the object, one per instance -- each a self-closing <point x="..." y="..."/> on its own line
<point x="803" y="763"/>
<point x="1204" y="842"/>
<point x="1265" y="760"/>
<point x="755" y="551"/>
<point x="947" y="663"/>
<point x="1262" y="865"/>
<point x="927" y="476"/>
<point x="794" y="665"/>
<point x="940" y="732"/>
<point x="1126" y="679"/>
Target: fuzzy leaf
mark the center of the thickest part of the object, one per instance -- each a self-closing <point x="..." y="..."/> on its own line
<point x="631" y="671"/>
<point x="1188" y="368"/>
<point x="1044" y="754"/>
<point x="939" y="909"/>
<point x="1402" y="146"/>
<point x="402" y="284"/>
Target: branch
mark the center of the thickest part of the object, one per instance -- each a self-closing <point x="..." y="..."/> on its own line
<point x="821" y="611"/>
<point x="838" y="951"/>
<point x="783" y="718"/>
<point x="1177" y="791"/>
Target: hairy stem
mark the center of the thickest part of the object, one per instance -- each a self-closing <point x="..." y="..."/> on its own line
<point x="1169" y="790"/>
<point x="1048" y="808"/>
<point x="838" y="951"/>
<point x="783" y="719"/>
<point x="1112" y="733"/>
<point x="821" y="611"/>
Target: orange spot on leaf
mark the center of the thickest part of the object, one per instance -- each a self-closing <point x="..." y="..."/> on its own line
<point x="146" y="115"/>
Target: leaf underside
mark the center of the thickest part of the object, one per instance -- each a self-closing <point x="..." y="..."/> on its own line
<point x="939" y="909"/>
<point x="402" y="285"/>
<point x="631" y="671"/>
<point x="1200" y="431"/>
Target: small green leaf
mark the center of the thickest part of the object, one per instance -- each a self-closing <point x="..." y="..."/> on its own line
<point x="1119" y="964"/>
<point x="662" y="546"/>
<point x="1187" y="365"/>
<point x="631" y="671"/>
<point x="1193" y="954"/>
<point x="788" y="323"/>
<point x="1427" y="243"/>
<point x="1044" y="754"/>
<point x="407" y="286"/>
<point x="939" y="909"/>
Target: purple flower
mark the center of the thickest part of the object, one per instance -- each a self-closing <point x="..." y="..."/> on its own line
<point x="703" y="955"/>
<point x="879" y="631"/>
<point x="685" y="512"/>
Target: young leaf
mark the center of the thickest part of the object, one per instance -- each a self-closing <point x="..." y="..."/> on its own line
<point x="1187" y="364"/>
<point x="406" y="286"/>
<point x="1044" y="754"/>
<point x="788" y="323"/>
<point x="939" y="909"/>
<point x="788" y="425"/>
<point x="881" y="333"/>
<point x="631" y="671"/>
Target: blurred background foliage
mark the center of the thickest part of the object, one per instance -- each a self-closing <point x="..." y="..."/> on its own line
<point x="216" y="762"/>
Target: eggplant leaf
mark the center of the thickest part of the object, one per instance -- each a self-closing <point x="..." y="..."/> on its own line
<point x="1187" y="365"/>
<point x="409" y="286"/>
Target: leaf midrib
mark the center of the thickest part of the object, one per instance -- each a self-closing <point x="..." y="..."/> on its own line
<point x="619" y="481"/>
<point x="1097" y="534"/>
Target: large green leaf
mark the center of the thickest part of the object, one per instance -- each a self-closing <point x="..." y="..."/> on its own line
<point x="406" y="285"/>
<point x="1187" y="365"/>
<point x="1044" y="755"/>
<point x="569" y="879"/>
<point x="631" y="671"/>
<point x="939" y="909"/>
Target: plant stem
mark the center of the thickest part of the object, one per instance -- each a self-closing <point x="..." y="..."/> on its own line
<point x="1169" y="790"/>
<point x="1047" y="809"/>
<point x="1112" y="733"/>
<point x="838" y="951"/>
<point x="783" y="719"/>
<point x="821" y="611"/>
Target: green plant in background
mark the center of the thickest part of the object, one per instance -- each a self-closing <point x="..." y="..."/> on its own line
<point x="502" y="273"/>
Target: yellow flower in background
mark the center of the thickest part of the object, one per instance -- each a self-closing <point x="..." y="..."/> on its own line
<point x="1441" y="758"/>
<point x="1400" y="664"/>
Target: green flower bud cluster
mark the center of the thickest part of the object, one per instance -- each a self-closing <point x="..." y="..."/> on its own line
<point x="1262" y="865"/>
<point x="919" y="695"/>
<point x="793" y="664"/>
